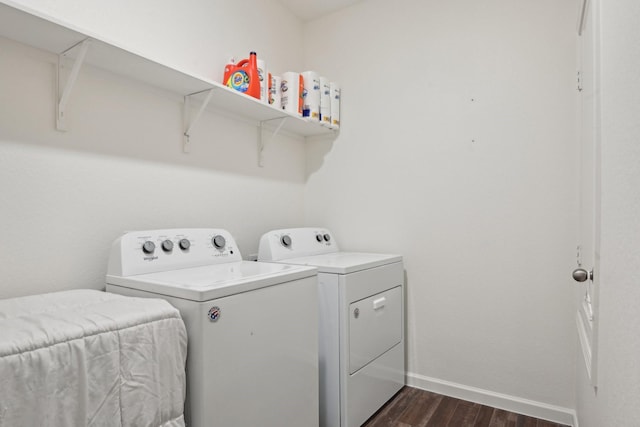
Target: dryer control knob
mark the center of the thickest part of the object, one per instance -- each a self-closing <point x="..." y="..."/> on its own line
<point x="184" y="244"/>
<point x="319" y="237"/>
<point x="286" y="241"/>
<point x="148" y="247"/>
<point x="326" y="237"/>
<point x="219" y="242"/>
<point x="167" y="245"/>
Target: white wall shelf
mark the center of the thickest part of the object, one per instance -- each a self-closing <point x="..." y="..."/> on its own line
<point x="32" y="28"/>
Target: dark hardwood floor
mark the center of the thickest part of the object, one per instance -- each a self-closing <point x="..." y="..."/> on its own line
<point x="412" y="407"/>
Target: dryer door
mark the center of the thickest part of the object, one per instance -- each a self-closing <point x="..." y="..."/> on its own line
<point x="375" y="326"/>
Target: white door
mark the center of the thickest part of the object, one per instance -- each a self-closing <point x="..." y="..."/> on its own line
<point x="375" y="326"/>
<point x="588" y="253"/>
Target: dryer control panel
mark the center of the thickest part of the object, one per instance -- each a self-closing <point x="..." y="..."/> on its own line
<point x="286" y="243"/>
<point x="150" y="251"/>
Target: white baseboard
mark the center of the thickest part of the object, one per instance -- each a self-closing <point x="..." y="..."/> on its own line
<point x="556" y="414"/>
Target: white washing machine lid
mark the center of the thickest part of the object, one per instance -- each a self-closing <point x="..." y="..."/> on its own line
<point x="344" y="262"/>
<point x="214" y="281"/>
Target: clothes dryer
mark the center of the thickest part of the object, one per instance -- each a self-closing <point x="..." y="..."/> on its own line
<point x="361" y="323"/>
<point x="252" y="327"/>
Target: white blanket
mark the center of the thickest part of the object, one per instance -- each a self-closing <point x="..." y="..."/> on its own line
<point x="89" y="358"/>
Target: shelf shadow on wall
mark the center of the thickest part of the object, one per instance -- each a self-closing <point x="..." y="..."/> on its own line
<point x="318" y="147"/>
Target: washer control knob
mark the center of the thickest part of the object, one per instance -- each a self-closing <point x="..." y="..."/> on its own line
<point x="319" y="238"/>
<point x="219" y="241"/>
<point x="167" y="245"/>
<point x="326" y="237"/>
<point x="285" y="240"/>
<point x="184" y="244"/>
<point x="148" y="247"/>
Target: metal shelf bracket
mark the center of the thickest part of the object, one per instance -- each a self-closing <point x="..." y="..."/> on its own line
<point x="64" y="89"/>
<point x="188" y="123"/>
<point x="261" y="143"/>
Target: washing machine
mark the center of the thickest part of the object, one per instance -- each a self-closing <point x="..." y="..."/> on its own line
<point x="361" y="324"/>
<point x="252" y="327"/>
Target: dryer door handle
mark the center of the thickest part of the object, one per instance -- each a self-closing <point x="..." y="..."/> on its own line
<point x="379" y="303"/>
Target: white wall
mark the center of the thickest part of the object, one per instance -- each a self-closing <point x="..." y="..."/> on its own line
<point x="67" y="196"/>
<point x="618" y="393"/>
<point x="457" y="149"/>
<point x="197" y="36"/>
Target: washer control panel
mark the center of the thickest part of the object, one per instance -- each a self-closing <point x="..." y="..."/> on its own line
<point x="295" y="242"/>
<point x="140" y="252"/>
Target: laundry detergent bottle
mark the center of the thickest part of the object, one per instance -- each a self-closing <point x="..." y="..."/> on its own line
<point x="244" y="76"/>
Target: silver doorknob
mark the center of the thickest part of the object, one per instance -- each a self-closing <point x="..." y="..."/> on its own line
<point x="581" y="275"/>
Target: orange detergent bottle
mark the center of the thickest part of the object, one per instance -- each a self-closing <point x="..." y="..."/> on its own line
<point x="243" y="76"/>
